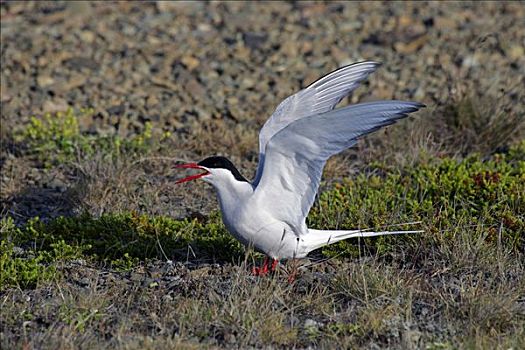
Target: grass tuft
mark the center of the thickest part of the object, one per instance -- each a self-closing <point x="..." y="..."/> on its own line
<point x="121" y="240"/>
<point x="484" y="197"/>
<point x="57" y="138"/>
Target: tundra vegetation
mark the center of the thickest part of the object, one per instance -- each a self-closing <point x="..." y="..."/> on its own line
<point x="100" y="249"/>
<point x="129" y="277"/>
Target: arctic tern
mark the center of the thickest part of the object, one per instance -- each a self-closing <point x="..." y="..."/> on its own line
<point x="305" y="130"/>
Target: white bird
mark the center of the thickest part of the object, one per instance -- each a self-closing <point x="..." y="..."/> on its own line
<point x="305" y="130"/>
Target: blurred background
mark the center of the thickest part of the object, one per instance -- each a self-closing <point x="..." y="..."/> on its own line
<point x="190" y="79"/>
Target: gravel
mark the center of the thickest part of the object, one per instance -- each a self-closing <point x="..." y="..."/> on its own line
<point x="176" y="64"/>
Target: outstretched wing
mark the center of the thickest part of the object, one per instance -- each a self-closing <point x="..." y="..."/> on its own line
<point x="296" y="155"/>
<point x="319" y="97"/>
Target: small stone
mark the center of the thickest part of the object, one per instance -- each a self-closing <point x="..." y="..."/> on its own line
<point x="420" y="93"/>
<point x="87" y="36"/>
<point x="190" y="62"/>
<point x="412" y="46"/>
<point x="44" y="80"/>
<point x="79" y="8"/>
<point x="84" y="282"/>
<point x="58" y="184"/>
<point x="254" y="40"/>
<point x="204" y="27"/>
<point x="405" y="21"/>
<point x="5" y="96"/>
<point x="230" y="338"/>
<point x="202" y="113"/>
<point x="116" y="110"/>
<point x="313" y="9"/>
<point x="195" y="88"/>
<point x="82" y="62"/>
<point x="306" y="47"/>
<point x="152" y="101"/>
<point x="232" y="101"/>
<point x="470" y="61"/>
<point x="309" y="323"/>
<point x="166" y="6"/>
<point x="56" y="105"/>
<point x="445" y="22"/>
<point x="247" y="83"/>
<point x="516" y="52"/>
<point x="74" y="82"/>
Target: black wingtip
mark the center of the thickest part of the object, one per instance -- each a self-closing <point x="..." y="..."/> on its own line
<point x="418" y="105"/>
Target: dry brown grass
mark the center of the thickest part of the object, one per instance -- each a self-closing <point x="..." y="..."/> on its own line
<point x="442" y="295"/>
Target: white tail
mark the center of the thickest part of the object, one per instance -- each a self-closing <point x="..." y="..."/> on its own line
<point x="319" y="238"/>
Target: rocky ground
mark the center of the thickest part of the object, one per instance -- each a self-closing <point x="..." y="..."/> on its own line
<point x="205" y="76"/>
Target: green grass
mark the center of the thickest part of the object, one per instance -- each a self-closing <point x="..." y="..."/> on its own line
<point x="483" y="197"/>
<point x="23" y="272"/>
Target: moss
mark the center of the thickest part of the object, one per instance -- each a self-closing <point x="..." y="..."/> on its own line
<point x="24" y="272"/>
<point x="57" y="138"/>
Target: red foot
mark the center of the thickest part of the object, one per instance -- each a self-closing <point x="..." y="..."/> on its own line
<point x="291" y="277"/>
<point x="264" y="269"/>
<point x="275" y="262"/>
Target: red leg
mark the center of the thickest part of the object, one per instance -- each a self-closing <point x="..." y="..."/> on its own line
<point x="275" y="262"/>
<point x="261" y="271"/>
<point x="265" y="266"/>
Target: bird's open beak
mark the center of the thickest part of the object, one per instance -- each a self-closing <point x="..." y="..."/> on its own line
<point x="192" y="177"/>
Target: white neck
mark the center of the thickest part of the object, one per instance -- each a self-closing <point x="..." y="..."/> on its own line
<point x="230" y="191"/>
<point x="230" y="197"/>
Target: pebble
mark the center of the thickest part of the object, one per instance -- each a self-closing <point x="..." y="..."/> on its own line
<point x="44" y="80"/>
<point x="310" y="323"/>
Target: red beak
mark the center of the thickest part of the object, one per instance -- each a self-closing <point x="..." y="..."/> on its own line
<point x="192" y="177"/>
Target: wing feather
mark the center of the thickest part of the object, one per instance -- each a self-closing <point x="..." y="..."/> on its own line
<point x="319" y="97"/>
<point x="296" y="155"/>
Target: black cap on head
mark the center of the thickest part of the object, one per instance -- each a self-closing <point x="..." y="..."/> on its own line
<point x="224" y="163"/>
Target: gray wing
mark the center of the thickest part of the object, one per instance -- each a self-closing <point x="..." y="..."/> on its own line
<point x="296" y="155"/>
<point x="319" y="97"/>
